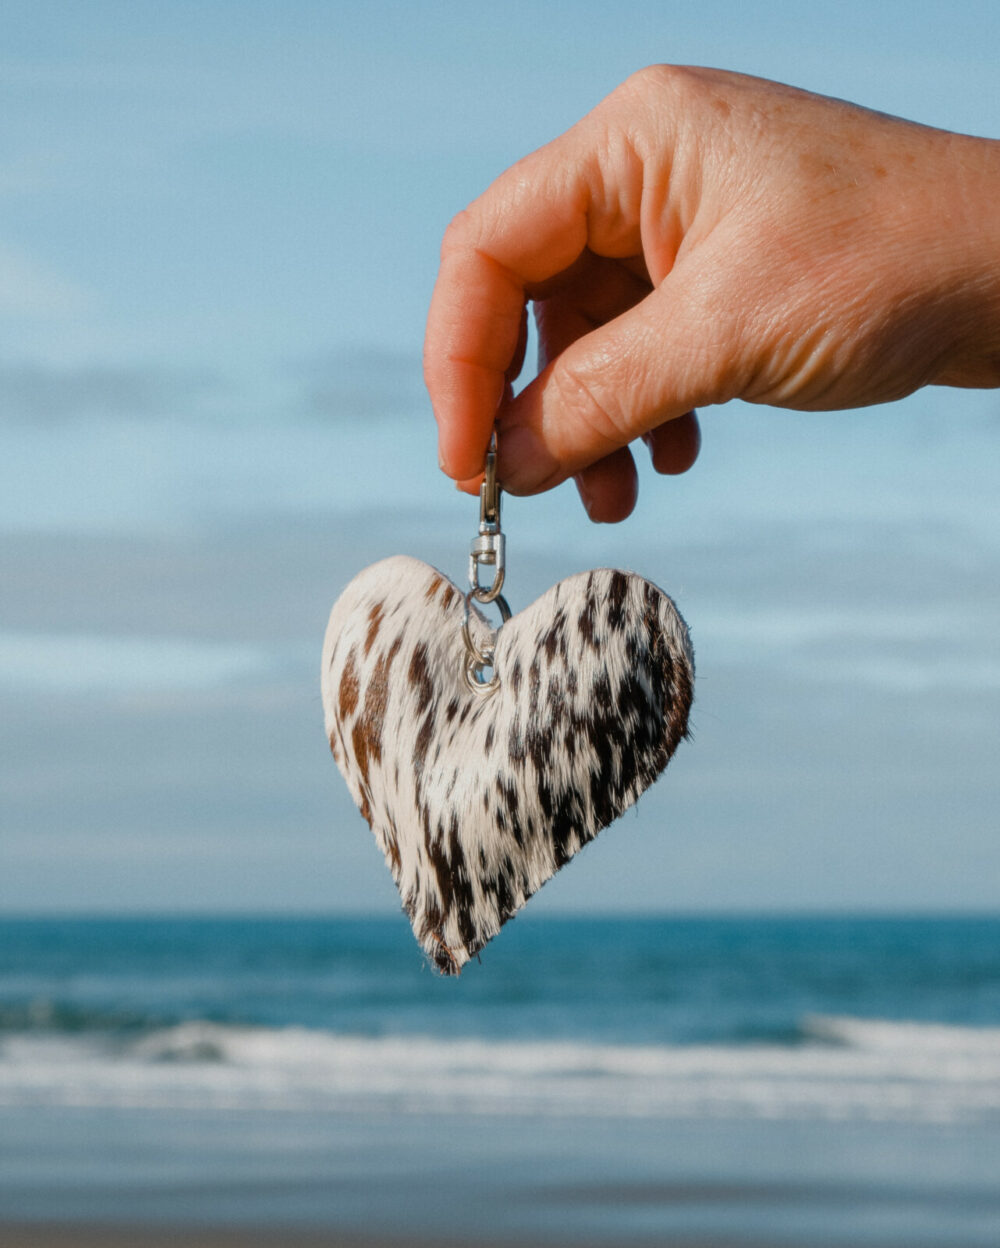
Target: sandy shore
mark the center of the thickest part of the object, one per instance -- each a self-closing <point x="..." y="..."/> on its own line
<point x="64" y="1236"/>
<point x="44" y="1235"/>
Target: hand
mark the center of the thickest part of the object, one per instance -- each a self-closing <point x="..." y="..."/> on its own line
<point x="702" y="236"/>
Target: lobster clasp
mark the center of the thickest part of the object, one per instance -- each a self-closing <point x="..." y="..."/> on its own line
<point x="489" y="547"/>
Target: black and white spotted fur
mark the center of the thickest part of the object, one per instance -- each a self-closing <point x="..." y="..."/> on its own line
<point x="477" y="801"/>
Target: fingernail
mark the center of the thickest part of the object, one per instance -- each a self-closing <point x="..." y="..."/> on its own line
<point x="525" y="463"/>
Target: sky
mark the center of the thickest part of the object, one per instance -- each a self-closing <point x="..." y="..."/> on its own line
<point x="219" y="227"/>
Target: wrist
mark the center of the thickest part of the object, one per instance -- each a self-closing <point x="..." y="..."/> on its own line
<point x="974" y="300"/>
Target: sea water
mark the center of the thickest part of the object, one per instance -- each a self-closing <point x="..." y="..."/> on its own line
<point x="836" y="1080"/>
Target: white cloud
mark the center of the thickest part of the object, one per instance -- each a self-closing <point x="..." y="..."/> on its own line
<point x="87" y="664"/>
<point x="29" y="288"/>
<point x="47" y="392"/>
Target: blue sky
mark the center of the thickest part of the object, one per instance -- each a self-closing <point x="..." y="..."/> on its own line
<point x="219" y="227"/>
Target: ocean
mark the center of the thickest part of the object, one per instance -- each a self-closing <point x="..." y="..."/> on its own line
<point x="601" y="1080"/>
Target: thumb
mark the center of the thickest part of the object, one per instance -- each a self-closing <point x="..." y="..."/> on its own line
<point x="674" y="351"/>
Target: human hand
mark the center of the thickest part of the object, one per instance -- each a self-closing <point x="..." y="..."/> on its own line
<point x="702" y="236"/>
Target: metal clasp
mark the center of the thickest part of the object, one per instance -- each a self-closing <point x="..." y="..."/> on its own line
<point x="489" y="547"/>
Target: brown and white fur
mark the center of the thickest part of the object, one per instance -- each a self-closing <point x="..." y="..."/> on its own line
<point x="476" y="801"/>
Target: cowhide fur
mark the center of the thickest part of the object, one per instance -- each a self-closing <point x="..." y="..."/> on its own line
<point x="474" y="800"/>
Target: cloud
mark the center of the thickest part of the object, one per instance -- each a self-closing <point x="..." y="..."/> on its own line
<point x="162" y="692"/>
<point x="348" y="386"/>
<point x="29" y="289"/>
<point x="362" y="382"/>
<point x="88" y="664"/>
<point x="44" y="392"/>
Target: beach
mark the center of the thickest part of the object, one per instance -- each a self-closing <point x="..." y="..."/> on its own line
<point x="730" y="1083"/>
<point x="55" y="1236"/>
<point x="404" y="1179"/>
<point x="180" y="1237"/>
<point x="761" y="1010"/>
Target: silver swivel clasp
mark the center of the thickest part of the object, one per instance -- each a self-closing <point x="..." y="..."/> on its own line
<point x="488" y="549"/>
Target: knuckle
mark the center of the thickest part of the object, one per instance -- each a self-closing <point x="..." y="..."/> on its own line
<point x="654" y="80"/>
<point x="650" y="77"/>
<point x="589" y="404"/>
<point x="653" y="103"/>
<point x="460" y="233"/>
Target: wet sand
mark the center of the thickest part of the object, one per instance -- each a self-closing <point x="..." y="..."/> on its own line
<point x="43" y="1235"/>
<point x="60" y="1236"/>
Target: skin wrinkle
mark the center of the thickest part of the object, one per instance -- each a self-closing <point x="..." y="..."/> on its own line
<point x="571" y="382"/>
<point x="612" y="209"/>
<point x="526" y="189"/>
<point x="765" y="216"/>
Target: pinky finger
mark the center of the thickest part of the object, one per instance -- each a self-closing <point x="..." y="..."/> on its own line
<point x="674" y="445"/>
<point x="609" y="488"/>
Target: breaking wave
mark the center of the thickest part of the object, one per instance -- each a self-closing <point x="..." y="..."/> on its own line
<point x="841" y="1068"/>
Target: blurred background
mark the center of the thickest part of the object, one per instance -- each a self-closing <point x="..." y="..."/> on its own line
<point x="219" y="226"/>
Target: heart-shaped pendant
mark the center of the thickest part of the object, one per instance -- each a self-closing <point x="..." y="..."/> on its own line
<point x="474" y="800"/>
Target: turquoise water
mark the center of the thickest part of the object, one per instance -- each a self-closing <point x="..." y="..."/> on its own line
<point x="837" y="1079"/>
<point x="725" y="983"/>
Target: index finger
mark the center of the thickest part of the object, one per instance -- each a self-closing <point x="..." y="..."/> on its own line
<point x="528" y="226"/>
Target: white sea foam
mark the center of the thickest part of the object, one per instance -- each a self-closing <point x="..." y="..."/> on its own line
<point x="877" y="1035"/>
<point x="854" y="1069"/>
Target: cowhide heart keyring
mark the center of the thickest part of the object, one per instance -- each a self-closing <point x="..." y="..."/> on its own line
<point x="484" y="759"/>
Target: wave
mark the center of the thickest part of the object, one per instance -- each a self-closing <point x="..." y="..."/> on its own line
<point x="885" y="1036"/>
<point x="849" y="1068"/>
<point x="47" y="1015"/>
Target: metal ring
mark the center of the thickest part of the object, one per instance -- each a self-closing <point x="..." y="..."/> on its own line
<point x="480" y="687"/>
<point x="481" y="593"/>
<point x="487" y="548"/>
<point x="483" y="657"/>
<point x="472" y="649"/>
